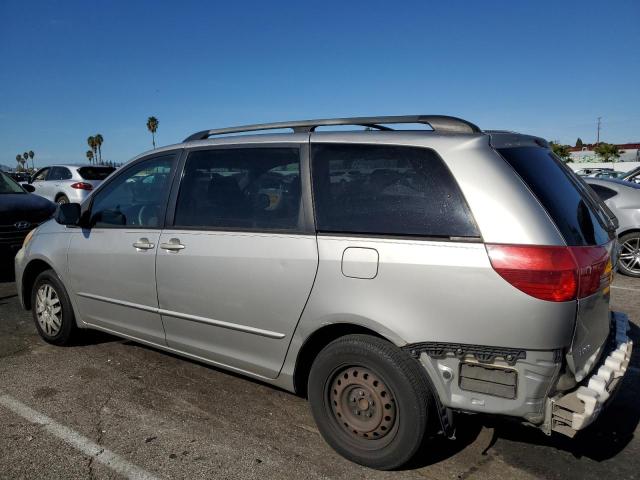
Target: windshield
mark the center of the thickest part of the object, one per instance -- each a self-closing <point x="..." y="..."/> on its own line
<point x="8" y="185"/>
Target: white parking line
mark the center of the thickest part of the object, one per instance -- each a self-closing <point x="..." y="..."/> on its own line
<point x="626" y="288"/>
<point x="79" y="442"/>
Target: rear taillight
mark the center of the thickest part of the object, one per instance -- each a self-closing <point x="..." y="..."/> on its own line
<point x="82" y="186"/>
<point x="556" y="274"/>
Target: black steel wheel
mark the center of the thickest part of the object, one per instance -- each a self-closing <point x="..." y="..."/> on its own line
<point x="370" y="401"/>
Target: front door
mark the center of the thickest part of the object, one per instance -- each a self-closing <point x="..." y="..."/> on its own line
<point x="41" y="185"/>
<point x="236" y="267"/>
<point x="112" y="264"/>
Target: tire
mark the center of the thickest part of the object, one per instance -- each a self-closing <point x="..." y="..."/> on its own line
<point x="386" y="424"/>
<point x="629" y="261"/>
<point x="52" y="312"/>
<point x="62" y="199"/>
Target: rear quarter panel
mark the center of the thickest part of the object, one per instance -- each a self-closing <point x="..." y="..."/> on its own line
<point x="432" y="291"/>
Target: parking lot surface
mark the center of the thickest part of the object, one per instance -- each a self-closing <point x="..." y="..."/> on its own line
<point x="108" y="408"/>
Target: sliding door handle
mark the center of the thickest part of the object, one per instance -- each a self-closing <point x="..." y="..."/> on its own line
<point x="143" y="244"/>
<point x="173" y="245"/>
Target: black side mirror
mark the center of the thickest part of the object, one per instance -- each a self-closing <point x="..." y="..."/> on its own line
<point x="68" y="214"/>
<point x="28" y="187"/>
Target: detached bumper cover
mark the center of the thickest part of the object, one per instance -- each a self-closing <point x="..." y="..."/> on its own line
<point x="578" y="409"/>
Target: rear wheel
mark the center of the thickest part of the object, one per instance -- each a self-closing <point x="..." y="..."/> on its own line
<point x="52" y="310"/>
<point x="629" y="261"/>
<point x="62" y="199"/>
<point x="370" y="401"/>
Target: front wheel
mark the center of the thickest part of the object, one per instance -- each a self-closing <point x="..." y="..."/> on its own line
<point x="629" y="262"/>
<point x="52" y="310"/>
<point x="370" y="401"/>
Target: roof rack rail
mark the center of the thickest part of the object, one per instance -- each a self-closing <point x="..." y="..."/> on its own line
<point x="439" y="123"/>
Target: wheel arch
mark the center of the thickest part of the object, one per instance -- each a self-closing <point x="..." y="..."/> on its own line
<point x="58" y="195"/>
<point x="628" y="231"/>
<point x="34" y="268"/>
<point x="315" y="342"/>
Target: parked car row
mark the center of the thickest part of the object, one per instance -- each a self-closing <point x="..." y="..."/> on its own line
<point x="371" y="272"/>
<point x="20" y="213"/>
<point x="623" y="198"/>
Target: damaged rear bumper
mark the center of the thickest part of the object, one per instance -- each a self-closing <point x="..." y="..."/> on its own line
<point x="571" y="412"/>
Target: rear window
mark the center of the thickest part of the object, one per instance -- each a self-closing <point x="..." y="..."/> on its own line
<point x="575" y="212"/>
<point x="389" y="190"/>
<point x="95" y="173"/>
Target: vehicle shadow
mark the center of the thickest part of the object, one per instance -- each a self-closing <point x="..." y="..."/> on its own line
<point x="7" y="273"/>
<point x="94" y="337"/>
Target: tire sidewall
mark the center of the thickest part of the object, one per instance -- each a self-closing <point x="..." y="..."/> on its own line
<point x="412" y="407"/>
<point x="68" y="320"/>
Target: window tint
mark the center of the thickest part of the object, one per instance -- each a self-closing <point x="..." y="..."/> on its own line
<point x="136" y="198"/>
<point x="8" y="185"/>
<point x="387" y="190"/>
<point x="603" y="192"/>
<point x="566" y="198"/>
<point x="41" y="175"/>
<point x="247" y="188"/>
<point x="95" y="173"/>
<point x="59" y="173"/>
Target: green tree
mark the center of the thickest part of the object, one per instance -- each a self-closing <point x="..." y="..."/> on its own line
<point x="91" y="141"/>
<point x="31" y="155"/>
<point x="99" y="141"/>
<point x="561" y="151"/>
<point x="19" y="161"/>
<point x="89" y="155"/>
<point x="608" y="152"/>
<point x="579" y="143"/>
<point x="152" y="126"/>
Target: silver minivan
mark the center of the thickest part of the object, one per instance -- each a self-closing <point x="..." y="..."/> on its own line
<point x="393" y="277"/>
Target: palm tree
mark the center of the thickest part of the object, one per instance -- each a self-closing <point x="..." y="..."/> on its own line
<point x="19" y="161"/>
<point x="608" y="152"/>
<point x="91" y="141"/>
<point x="31" y="155"/>
<point x="98" y="138"/>
<point x="89" y="155"/>
<point x="152" y="126"/>
<point x="25" y="155"/>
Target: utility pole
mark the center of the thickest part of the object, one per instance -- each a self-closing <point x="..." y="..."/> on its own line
<point x="598" y="134"/>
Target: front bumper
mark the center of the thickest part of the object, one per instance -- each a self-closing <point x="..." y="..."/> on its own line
<point x="571" y="412"/>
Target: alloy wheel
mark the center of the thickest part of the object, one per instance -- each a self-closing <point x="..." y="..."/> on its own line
<point x="48" y="310"/>
<point x="630" y="255"/>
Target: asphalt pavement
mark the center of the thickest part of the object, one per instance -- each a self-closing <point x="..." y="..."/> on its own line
<point x="110" y="408"/>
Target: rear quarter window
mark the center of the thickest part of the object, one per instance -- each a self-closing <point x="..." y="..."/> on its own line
<point x="387" y="190"/>
<point x="566" y="200"/>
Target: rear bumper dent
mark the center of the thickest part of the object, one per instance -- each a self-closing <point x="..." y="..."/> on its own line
<point x="574" y="411"/>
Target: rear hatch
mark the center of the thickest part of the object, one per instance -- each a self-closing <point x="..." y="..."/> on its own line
<point x="588" y="228"/>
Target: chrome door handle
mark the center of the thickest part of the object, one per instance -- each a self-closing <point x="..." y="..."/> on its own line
<point x="173" y="245"/>
<point x="143" y="244"/>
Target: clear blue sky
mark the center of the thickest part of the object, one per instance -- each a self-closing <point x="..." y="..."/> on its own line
<point x="69" y="69"/>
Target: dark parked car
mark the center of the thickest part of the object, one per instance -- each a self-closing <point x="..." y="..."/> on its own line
<point x="20" y="212"/>
<point x="20" y="177"/>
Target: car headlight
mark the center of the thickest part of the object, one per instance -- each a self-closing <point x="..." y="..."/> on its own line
<point x="28" y="238"/>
